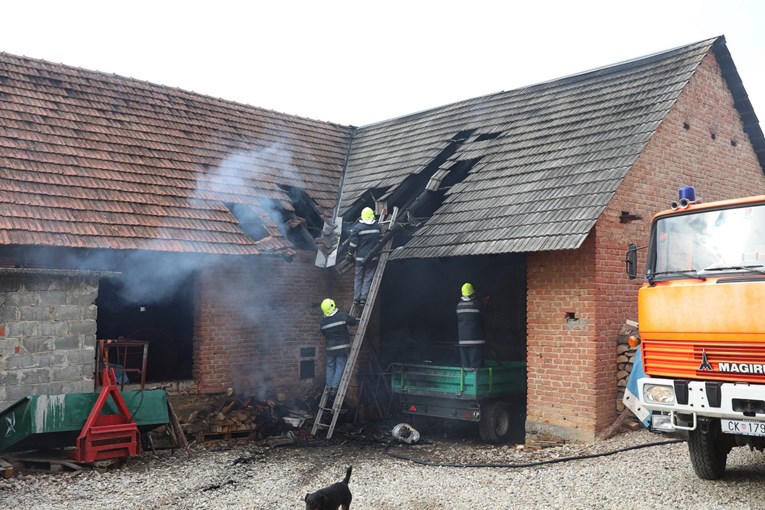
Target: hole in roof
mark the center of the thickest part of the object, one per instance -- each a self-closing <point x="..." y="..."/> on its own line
<point x="733" y="143"/>
<point x="462" y="135"/>
<point x="249" y="221"/>
<point x="487" y="136"/>
<point x="686" y="125"/>
<point x="306" y="223"/>
<point x="432" y="197"/>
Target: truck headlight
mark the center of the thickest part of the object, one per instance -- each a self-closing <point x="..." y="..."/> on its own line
<point x="659" y="394"/>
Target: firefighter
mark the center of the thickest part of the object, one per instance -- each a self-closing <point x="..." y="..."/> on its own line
<point x="470" y="328"/>
<point x="364" y="236"/>
<point x="334" y="327"/>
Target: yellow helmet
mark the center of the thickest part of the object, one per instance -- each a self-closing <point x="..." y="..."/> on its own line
<point x="467" y="289"/>
<point x="327" y="306"/>
<point x="367" y="214"/>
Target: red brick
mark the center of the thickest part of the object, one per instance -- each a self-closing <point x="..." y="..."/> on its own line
<point x="590" y="280"/>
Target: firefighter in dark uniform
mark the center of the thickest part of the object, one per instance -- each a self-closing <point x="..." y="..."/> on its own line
<point x="364" y="237"/>
<point x="470" y="328"/>
<point x="334" y="327"/>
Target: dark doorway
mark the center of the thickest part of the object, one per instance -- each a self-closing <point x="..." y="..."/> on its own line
<point x="418" y="319"/>
<point x="164" y="320"/>
<point x="418" y="323"/>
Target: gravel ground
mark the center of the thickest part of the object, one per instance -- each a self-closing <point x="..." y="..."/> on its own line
<point x="251" y="475"/>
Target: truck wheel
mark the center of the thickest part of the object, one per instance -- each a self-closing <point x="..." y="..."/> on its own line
<point x="708" y="450"/>
<point x="494" y="426"/>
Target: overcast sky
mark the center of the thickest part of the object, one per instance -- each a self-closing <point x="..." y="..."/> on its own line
<point x="359" y="62"/>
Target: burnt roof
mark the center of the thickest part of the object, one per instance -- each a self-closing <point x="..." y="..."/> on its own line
<point x="94" y="160"/>
<point x="545" y="159"/>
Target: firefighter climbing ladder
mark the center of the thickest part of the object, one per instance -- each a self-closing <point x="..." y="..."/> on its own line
<point x="358" y="339"/>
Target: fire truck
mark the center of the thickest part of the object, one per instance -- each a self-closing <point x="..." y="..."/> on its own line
<point x="701" y="320"/>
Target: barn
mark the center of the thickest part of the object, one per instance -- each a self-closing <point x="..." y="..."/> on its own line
<point x="139" y="211"/>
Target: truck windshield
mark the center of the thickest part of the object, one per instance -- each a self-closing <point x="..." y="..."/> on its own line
<point x="697" y="244"/>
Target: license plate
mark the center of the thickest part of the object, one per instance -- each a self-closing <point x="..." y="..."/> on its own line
<point x="745" y="427"/>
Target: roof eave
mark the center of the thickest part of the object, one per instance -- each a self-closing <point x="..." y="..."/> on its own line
<point x="740" y="99"/>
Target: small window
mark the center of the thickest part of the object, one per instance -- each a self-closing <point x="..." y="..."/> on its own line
<point x="307" y="369"/>
<point x="307" y="362"/>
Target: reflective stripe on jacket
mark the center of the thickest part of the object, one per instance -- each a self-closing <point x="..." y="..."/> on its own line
<point x="335" y="330"/>
<point x="469" y="322"/>
<point x="363" y="238"/>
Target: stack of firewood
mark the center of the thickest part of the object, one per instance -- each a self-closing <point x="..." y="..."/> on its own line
<point x="624" y="358"/>
<point x="234" y="413"/>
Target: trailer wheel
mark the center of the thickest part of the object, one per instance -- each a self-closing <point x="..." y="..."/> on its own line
<point x="708" y="450"/>
<point x="494" y="426"/>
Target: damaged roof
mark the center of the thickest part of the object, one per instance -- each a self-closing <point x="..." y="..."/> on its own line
<point x="94" y="160"/>
<point x="543" y="161"/>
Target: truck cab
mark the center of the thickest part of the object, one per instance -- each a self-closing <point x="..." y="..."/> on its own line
<point x="702" y="335"/>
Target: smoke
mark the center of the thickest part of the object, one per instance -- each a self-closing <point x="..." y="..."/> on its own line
<point x="248" y="297"/>
<point x="242" y="182"/>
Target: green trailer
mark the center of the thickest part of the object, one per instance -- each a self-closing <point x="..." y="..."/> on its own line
<point x="484" y="395"/>
<point x="38" y="422"/>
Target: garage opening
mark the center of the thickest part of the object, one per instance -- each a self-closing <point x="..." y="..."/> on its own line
<point x="418" y="323"/>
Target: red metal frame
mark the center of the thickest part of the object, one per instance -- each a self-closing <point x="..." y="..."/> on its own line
<point x="107" y="436"/>
<point x="121" y="346"/>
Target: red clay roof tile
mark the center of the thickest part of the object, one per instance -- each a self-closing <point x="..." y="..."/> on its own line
<point x="100" y="161"/>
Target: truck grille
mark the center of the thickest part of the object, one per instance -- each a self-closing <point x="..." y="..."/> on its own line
<point x="730" y="361"/>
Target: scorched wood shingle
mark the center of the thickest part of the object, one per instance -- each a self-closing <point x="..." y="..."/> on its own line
<point x="545" y="159"/>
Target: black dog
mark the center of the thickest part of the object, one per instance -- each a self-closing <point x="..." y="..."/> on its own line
<point x="330" y="498"/>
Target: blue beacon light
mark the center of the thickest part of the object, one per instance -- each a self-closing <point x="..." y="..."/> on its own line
<point x="688" y="193"/>
<point x="686" y="197"/>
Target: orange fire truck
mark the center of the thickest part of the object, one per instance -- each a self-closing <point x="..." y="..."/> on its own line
<point x="701" y="318"/>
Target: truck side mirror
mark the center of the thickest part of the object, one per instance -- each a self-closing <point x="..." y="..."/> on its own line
<point x="631" y="261"/>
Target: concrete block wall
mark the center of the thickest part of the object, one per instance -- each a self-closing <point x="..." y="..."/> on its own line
<point x="47" y="332"/>
<point x="572" y="374"/>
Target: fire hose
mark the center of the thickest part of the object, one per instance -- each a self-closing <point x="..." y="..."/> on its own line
<point x="525" y="464"/>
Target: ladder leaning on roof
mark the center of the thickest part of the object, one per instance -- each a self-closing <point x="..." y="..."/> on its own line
<point x="358" y="339"/>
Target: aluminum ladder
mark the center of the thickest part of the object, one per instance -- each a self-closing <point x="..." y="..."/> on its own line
<point x="358" y="339"/>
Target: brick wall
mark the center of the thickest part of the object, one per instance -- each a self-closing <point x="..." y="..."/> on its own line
<point x="701" y="142"/>
<point x="47" y="333"/>
<point x="561" y="325"/>
<point x="252" y="317"/>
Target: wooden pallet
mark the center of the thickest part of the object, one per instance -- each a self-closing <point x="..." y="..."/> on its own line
<point x="50" y="464"/>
